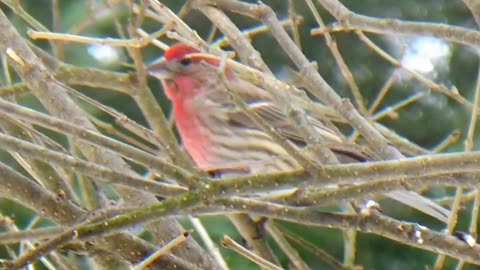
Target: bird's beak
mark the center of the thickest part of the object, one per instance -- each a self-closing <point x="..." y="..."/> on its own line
<point x="159" y="69"/>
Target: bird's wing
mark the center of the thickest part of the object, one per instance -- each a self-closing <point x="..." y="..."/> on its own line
<point x="261" y="102"/>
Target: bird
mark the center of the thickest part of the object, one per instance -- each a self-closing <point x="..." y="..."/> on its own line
<point x="222" y="138"/>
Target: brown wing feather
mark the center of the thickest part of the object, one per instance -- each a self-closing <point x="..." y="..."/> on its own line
<point x="261" y="102"/>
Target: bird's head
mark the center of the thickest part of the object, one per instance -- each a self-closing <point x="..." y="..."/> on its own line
<point x="181" y="71"/>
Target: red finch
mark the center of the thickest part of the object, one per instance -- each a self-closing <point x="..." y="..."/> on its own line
<point x="222" y="138"/>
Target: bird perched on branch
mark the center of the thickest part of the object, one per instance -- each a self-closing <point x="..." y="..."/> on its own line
<point x="224" y="138"/>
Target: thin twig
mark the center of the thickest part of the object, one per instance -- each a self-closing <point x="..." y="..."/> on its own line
<point x="231" y="244"/>
<point x="166" y="248"/>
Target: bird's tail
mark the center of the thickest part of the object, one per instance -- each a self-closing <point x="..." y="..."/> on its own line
<point x="420" y="203"/>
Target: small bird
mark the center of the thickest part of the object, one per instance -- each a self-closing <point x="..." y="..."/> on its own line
<point x="222" y="138"/>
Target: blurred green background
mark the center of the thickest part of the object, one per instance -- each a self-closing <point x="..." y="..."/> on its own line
<point x="425" y="122"/>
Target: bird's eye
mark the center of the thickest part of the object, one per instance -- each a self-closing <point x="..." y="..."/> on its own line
<point x="186" y="62"/>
